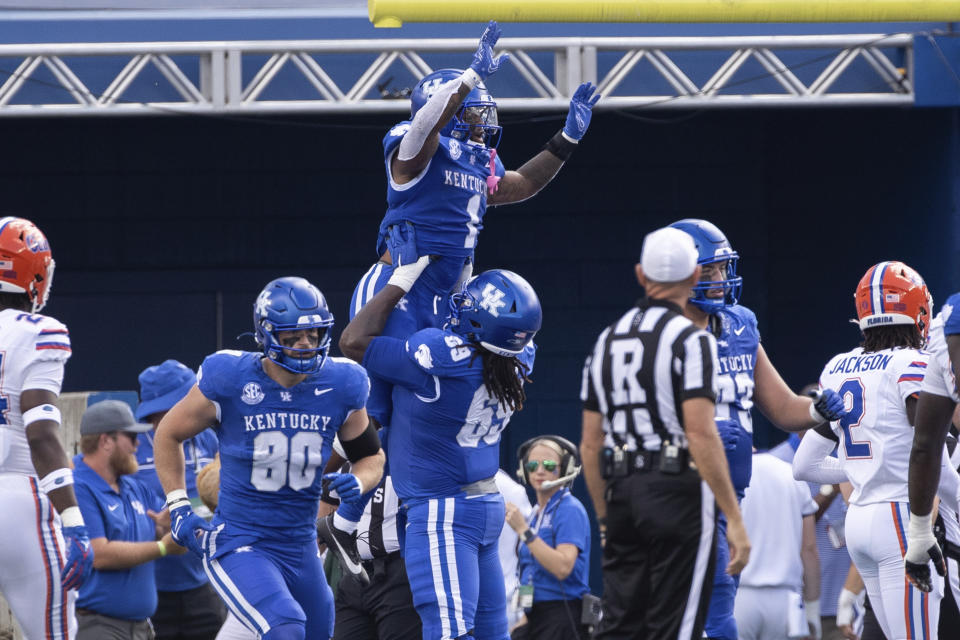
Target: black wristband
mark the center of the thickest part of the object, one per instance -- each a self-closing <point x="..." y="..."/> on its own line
<point x="560" y="146"/>
<point x="528" y="536"/>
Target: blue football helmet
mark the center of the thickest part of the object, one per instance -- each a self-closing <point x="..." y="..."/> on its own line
<point x="497" y="309"/>
<point x="289" y="304"/>
<point x="478" y="108"/>
<point x="713" y="246"/>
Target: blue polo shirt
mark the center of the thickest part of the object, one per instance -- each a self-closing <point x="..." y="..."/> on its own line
<point x="128" y="594"/>
<point x="563" y="521"/>
<point x="178" y="573"/>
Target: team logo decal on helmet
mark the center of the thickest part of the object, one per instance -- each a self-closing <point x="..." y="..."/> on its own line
<point x="892" y="293"/>
<point x="479" y="110"/>
<point x="713" y="247"/>
<point x="498" y="310"/>
<point x="26" y="262"/>
<point x="290" y="304"/>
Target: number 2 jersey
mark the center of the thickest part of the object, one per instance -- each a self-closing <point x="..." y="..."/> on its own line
<point x="446" y="202"/>
<point x="875" y="436"/>
<point x="33" y="351"/>
<point x="446" y="427"/>
<point x="275" y="441"/>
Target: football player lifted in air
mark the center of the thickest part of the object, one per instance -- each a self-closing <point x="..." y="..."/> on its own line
<point x="442" y="172"/>
<point x="746" y="376"/>
<point x="44" y="547"/>
<point x="880" y="381"/>
<point x="275" y="413"/>
<point x="456" y="389"/>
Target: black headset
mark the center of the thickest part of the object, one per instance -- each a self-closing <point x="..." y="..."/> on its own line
<point x="569" y="460"/>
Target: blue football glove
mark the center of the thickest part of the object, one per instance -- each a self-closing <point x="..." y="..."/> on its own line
<point x="402" y="243"/>
<point x="483" y="61"/>
<point x="827" y="406"/>
<point x="581" y="108"/>
<point x="729" y="433"/>
<point x="346" y="485"/>
<point x="79" y="564"/>
<point x="184" y="525"/>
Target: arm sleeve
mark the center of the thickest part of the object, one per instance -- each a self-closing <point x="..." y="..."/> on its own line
<point x="699" y="367"/>
<point x="425" y="120"/>
<point x="44" y="374"/>
<point x="386" y="358"/>
<point x="813" y="462"/>
<point x="92" y="518"/>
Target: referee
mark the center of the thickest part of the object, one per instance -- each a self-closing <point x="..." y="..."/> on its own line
<point x="648" y="405"/>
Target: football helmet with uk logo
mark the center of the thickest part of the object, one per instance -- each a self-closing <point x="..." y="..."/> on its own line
<point x="291" y="304"/>
<point x="26" y="262"/>
<point x="497" y="309"/>
<point x="892" y="293"/>
<point x="479" y="110"/>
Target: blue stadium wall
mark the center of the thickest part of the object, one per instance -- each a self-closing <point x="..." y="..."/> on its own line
<point x="165" y="229"/>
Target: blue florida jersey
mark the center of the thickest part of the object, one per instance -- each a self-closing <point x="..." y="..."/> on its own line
<point x="446" y="201"/>
<point x="737" y="347"/>
<point x="446" y="428"/>
<point x="275" y="441"/>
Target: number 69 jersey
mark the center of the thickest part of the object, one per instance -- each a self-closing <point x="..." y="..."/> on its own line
<point x="33" y="351"/>
<point x="446" y="427"/>
<point x="275" y="441"/>
<point x="875" y="435"/>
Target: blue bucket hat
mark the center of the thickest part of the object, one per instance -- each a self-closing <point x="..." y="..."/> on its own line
<point x="163" y="386"/>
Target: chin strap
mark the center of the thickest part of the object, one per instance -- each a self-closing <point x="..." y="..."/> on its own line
<point x="493" y="179"/>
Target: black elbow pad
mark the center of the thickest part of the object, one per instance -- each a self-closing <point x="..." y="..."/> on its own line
<point x="366" y="444"/>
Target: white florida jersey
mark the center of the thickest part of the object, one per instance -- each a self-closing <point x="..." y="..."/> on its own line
<point x="33" y="350"/>
<point x="939" y="379"/>
<point x="875" y="435"/>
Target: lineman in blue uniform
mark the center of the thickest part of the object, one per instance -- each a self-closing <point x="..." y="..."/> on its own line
<point x="456" y="389"/>
<point x="276" y="414"/>
<point x="746" y="376"/>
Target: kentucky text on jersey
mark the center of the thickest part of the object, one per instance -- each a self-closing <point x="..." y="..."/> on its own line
<point x="742" y="362"/>
<point x="464" y="181"/>
<point x="286" y="420"/>
<point x="862" y="363"/>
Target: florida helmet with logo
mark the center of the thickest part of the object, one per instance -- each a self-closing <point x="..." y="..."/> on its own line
<point x="478" y="109"/>
<point x="290" y="304"/>
<point x="713" y="246"/>
<point x="26" y="262"/>
<point x="892" y="293"/>
<point x="498" y="310"/>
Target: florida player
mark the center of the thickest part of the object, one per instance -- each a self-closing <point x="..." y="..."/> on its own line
<point x="44" y="547"/>
<point x="456" y="389"/>
<point x="880" y="382"/>
<point x="276" y="414"/>
<point x="746" y="376"/>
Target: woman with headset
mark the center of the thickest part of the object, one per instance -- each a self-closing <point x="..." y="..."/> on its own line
<point x="555" y="550"/>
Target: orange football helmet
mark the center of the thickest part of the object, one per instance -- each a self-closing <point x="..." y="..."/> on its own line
<point x="893" y="293"/>
<point x="26" y="262"/>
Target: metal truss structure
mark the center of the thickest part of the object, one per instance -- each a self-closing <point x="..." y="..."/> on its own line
<point x="349" y="76"/>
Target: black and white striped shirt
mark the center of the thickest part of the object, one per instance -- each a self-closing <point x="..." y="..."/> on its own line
<point x="641" y="370"/>
<point x="377" y="533"/>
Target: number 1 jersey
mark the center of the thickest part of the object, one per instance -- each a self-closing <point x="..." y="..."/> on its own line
<point x="275" y="441"/>
<point x="875" y="435"/>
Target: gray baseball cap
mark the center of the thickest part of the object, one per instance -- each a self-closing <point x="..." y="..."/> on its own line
<point x="110" y="415"/>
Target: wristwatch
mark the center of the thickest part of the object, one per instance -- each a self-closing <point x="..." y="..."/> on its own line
<point x="528" y="536"/>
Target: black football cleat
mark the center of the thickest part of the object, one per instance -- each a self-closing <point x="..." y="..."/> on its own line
<point x="345" y="546"/>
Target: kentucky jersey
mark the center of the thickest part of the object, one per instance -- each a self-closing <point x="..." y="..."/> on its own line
<point x="33" y="351"/>
<point x="737" y="346"/>
<point x="940" y="379"/>
<point x="446" y="201"/>
<point x="275" y="441"/>
<point x="446" y="428"/>
<point x="875" y="435"/>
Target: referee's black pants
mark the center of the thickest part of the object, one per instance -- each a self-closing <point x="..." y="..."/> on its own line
<point x="383" y="610"/>
<point x="658" y="559"/>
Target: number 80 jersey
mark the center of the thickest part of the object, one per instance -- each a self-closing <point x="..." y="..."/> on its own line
<point x="875" y="435"/>
<point x="275" y="441"/>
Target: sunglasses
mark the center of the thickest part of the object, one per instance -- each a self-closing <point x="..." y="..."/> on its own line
<point x="548" y="465"/>
<point x="129" y="434"/>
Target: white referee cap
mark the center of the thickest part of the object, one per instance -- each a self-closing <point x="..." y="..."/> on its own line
<point x="668" y="255"/>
